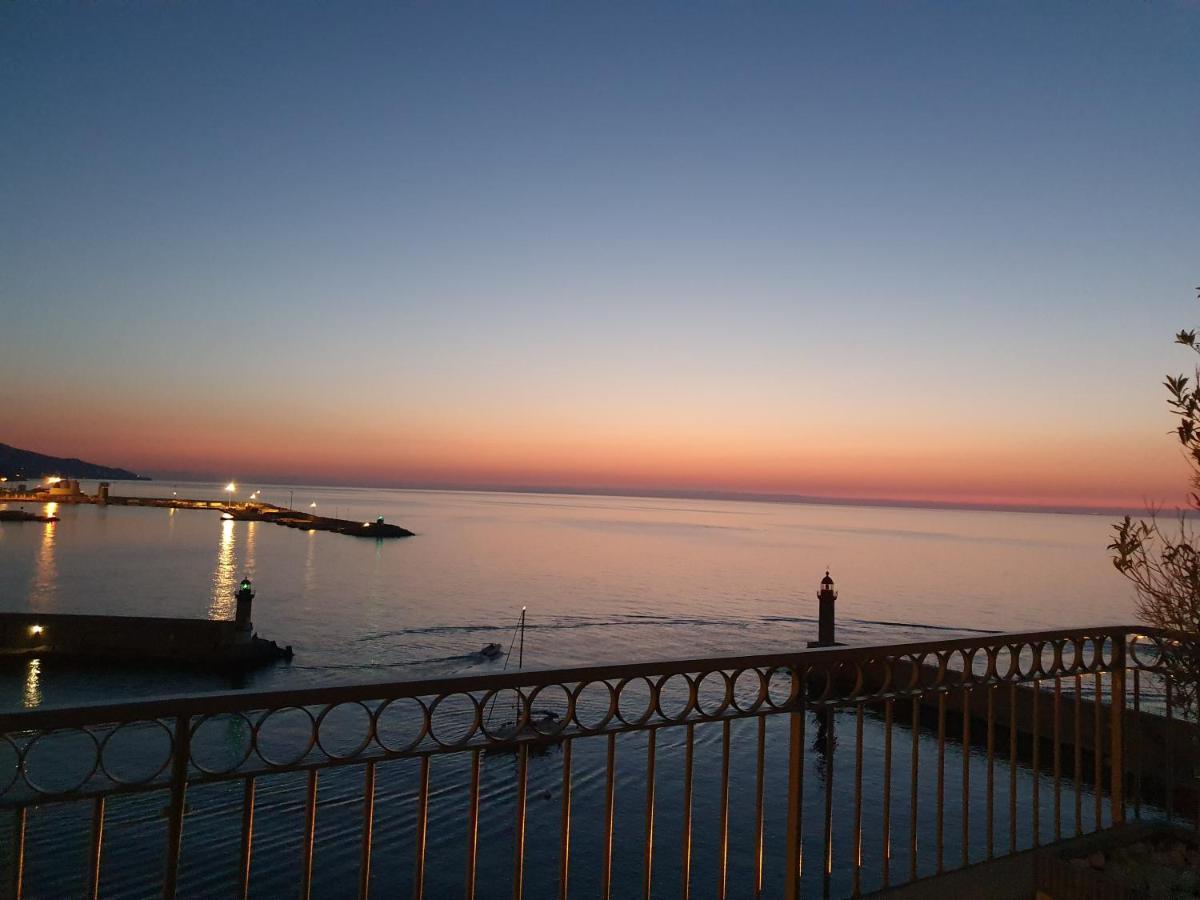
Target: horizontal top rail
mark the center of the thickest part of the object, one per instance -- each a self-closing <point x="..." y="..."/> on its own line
<point x="824" y="658"/>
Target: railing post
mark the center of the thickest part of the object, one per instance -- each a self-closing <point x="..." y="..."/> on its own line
<point x="179" y="770"/>
<point x="18" y="869"/>
<point x="795" y="813"/>
<point x="1116" y="771"/>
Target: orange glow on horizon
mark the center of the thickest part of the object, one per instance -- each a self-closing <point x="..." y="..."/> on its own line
<point x="1055" y="481"/>
<point x="913" y="461"/>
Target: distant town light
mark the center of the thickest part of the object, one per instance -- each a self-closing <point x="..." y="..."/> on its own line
<point x="53" y="479"/>
<point x="313" y="505"/>
<point x="36" y="629"/>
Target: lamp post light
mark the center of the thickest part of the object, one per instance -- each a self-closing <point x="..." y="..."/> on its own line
<point x="229" y="489"/>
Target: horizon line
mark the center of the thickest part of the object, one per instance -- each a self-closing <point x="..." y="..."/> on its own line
<point x="716" y="494"/>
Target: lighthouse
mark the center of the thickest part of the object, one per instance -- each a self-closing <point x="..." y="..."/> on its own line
<point x="825" y="621"/>
<point x="245" y="596"/>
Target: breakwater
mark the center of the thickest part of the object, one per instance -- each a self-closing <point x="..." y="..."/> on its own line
<point x="256" y="511"/>
<point x="135" y="639"/>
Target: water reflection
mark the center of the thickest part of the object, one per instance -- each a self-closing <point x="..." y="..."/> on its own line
<point x="825" y="741"/>
<point x="248" y="567"/>
<point x="310" y="569"/>
<point x="33" y="684"/>
<point x="222" y="603"/>
<point x="45" y="574"/>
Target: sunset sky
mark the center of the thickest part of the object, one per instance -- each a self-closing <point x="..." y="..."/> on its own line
<point x="919" y="251"/>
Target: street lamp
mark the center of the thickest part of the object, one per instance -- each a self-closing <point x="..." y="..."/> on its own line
<point x="229" y="489"/>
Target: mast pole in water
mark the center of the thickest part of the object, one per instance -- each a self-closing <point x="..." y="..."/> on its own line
<point x="521" y="651"/>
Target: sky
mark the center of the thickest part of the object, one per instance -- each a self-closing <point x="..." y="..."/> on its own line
<point x="903" y="250"/>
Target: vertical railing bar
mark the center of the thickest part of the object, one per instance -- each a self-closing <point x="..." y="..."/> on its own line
<point x="686" y="841"/>
<point x="858" y="773"/>
<point x="723" y="846"/>
<point x="610" y="774"/>
<point x="20" y="817"/>
<point x="1037" y="764"/>
<point x="966" y="776"/>
<point x="1098" y="749"/>
<point x="795" y="814"/>
<point x="1058" y="758"/>
<point x="1137" y="744"/>
<point x="1012" y="767"/>
<point x="759" y="797"/>
<point x="941" y="781"/>
<point x="888" y="712"/>
<point x="915" y="762"/>
<point x="518" y="887"/>
<point x="1079" y="754"/>
<point x="97" y="847"/>
<point x="247" y="842"/>
<point x="421" y="829"/>
<point x="564" y="836"/>
<point x="991" y="770"/>
<point x="368" y="831"/>
<point x="472" y="826"/>
<point x="310" y="833"/>
<point x="830" y="728"/>
<point x="1170" y="749"/>
<point x="1116" y="705"/>
<point x="648" y="864"/>
<point x="181" y="754"/>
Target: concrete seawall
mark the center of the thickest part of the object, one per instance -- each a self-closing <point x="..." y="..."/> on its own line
<point x="250" y="510"/>
<point x="133" y="639"/>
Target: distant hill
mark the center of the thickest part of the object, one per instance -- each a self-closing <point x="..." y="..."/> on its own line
<point x="18" y="463"/>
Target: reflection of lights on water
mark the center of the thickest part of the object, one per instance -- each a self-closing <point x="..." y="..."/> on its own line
<point x="52" y="508"/>
<point x="310" y="569"/>
<point x="46" y="573"/>
<point x="221" y="606"/>
<point x="33" y="684"/>
<point x="248" y="566"/>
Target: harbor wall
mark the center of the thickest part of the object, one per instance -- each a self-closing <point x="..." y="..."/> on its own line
<point x="129" y="638"/>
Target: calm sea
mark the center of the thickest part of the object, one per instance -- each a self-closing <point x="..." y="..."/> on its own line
<point x="604" y="579"/>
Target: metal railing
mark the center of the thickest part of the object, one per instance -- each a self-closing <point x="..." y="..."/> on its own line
<point x="1056" y="709"/>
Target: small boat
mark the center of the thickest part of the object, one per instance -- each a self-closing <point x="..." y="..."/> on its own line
<point x="492" y="651"/>
<point x="540" y="731"/>
<point x="20" y="515"/>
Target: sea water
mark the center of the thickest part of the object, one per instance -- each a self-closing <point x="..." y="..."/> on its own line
<point x="604" y="579"/>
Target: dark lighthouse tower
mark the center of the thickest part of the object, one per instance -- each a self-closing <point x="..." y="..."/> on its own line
<point x="825" y="622"/>
<point x="245" y="597"/>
